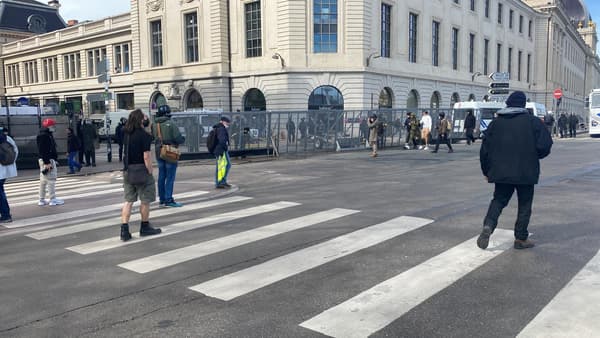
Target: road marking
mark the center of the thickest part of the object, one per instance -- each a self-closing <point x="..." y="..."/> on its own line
<point x="37" y="182"/>
<point x="20" y="192"/>
<point x="66" y="218"/>
<point x="574" y="311"/>
<point x="115" y="242"/>
<point x="68" y="230"/>
<point x="66" y="198"/>
<point x="242" y="282"/>
<point x="181" y="255"/>
<point x="374" y="309"/>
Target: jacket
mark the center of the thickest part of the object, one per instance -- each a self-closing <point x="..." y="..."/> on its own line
<point x="222" y="139"/>
<point x="442" y="126"/>
<point x="90" y="134"/>
<point x="119" y="133"/>
<point x="73" y="143"/>
<point x="8" y="171"/>
<point x="512" y="148"/>
<point x="46" y="146"/>
<point x="470" y="121"/>
<point x="373" y="127"/>
<point x="169" y="131"/>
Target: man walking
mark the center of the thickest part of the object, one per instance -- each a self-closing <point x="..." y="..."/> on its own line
<point x="165" y="132"/>
<point x="443" y="129"/>
<point x="425" y="130"/>
<point x="573" y="120"/>
<point x="119" y="136"/>
<point x="510" y="157"/>
<point x="137" y="152"/>
<point x="469" y="127"/>
<point x="563" y="122"/>
<point x="73" y="147"/>
<point x="291" y="130"/>
<point x="373" y="133"/>
<point x="90" y="135"/>
<point x="7" y="170"/>
<point x="549" y="122"/>
<point x="222" y="154"/>
<point x="48" y="163"/>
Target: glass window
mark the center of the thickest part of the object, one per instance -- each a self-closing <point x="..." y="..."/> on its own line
<point x="254" y="100"/>
<point x="595" y="100"/>
<point x="13" y="77"/>
<point x="520" y="24"/>
<point x="519" y="61"/>
<point x="530" y="28"/>
<point x="471" y="53"/>
<point x="385" y="98"/>
<point x="325" y="26"/>
<point x="509" y="68"/>
<point x="191" y="37"/>
<point x="386" y="30"/>
<point x="156" y="33"/>
<point x="122" y="58"/>
<point x="125" y="101"/>
<point x="511" y="14"/>
<point x="72" y="66"/>
<point x="435" y="43"/>
<point x="454" y="48"/>
<point x="472" y="5"/>
<point x="31" y="72"/>
<point x="528" y="67"/>
<point x="253" y="29"/>
<point x="498" y="56"/>
<point x="500" y="14"/>
<point x="486" y="52"/>
<point x="412" y="37"/>
<point x="325" y="97"/>
<point x="50" y="69"/>
<point x="486" y="9"/>
<point x="94" y="57"/>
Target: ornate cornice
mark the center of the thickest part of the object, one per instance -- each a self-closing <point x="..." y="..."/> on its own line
<point x="154" y="5"/>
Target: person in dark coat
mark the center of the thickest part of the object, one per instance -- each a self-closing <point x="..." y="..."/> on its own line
<point x="291" y="130"/>
<point x="80" y="137"/>
<point x="510" y="157"/>
<point x="563" y="123"/>
<point x="222" y="154"/>
<point x="73" y="147"/>
<point x="573" y="120"/>
<point x="119" y="135"/>
<point x="469" y="127"/>
<point x="90" y="135"/>
<point x="302" y="128"/>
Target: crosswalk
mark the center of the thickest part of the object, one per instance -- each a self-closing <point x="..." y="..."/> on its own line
<point x="572" y="312"/>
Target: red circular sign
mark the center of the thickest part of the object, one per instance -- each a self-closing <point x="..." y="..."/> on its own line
<point x="557" y="93"/>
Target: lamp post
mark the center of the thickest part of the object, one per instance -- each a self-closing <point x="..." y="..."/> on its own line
<point x="374" y="55"/>
<point x="278" y="56"/>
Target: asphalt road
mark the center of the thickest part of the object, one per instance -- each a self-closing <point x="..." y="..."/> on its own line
<point x="339" y="244"/>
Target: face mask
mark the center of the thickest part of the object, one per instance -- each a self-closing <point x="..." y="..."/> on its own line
<point x="146" y="123"/>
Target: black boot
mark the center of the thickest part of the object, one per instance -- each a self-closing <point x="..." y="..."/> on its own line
<point x="147" y="230"/>
<point x="125" y="234"/>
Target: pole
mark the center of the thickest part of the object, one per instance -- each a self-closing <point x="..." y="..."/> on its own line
<point x="106" y="115"/>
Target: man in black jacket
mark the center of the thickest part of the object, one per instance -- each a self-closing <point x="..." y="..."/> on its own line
<point x="48" y="162"/>
<point x="469" y="127"/>
<point x="222" y="154"/>
<point x="510" y="157"/>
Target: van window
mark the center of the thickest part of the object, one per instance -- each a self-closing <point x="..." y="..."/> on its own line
<point x="488" y="113"/>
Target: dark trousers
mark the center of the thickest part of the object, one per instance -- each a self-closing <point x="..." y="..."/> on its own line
<point x="4" y="208"/>
<point x="291" y="136"/>
<point x="443" y="138"/>
<point x="469" y="134"/>
<point x="81" y="151"/>
<point x="573" y="131"/>
<point x="90" y="157"/>
<point x="502" y="195"/>
<point x="563" y="132"/>
<point x="407" y="136"/>
<point x="120" y="151"/>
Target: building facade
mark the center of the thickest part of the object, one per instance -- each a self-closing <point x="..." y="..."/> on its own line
<point x="317" y="54"/>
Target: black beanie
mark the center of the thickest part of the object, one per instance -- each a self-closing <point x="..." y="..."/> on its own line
<point x="517" y="100"/>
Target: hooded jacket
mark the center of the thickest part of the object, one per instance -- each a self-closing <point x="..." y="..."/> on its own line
<point x="46" y="146"/>
<point x="222" y="139"/>
<point x="514" y="143"/>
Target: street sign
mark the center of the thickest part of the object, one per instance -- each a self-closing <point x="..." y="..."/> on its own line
<point x="499" y="85"/>
<point x="500" y="76"/>
<point x="501" y="91"/>
<point x="558" y="93"/>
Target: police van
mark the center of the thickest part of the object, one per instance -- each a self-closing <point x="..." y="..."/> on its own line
<point x="484" y="114"/>
<point x="536" y="109"/>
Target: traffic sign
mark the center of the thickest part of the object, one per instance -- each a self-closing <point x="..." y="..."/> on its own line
<point x="500" y="76"/>
<point x="558" y="93"/>
<point x="501" y="91"/>
<point x="499" y="85"/>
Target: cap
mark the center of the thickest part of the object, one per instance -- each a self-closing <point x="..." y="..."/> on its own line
<point x="47" y="123"/>
<point x="225" y="119"/>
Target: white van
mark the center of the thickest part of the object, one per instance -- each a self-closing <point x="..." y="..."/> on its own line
<point x="483" y="111"/>
<point x="100" y="121"/>
<point x="536" y="109"/>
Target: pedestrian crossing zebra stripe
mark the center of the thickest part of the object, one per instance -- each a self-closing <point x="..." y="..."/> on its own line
<point x="24" y="190"/>
<point x="115" y="242"/>
<point x="170" y="258"/>
<point x="242" y="282"/>
<point x="36" y="182"/>
<point x="65" y="192"/>
<point x="103" y="223"/>
<point x="67" y="197"/>
<point x="70" y="217"/>
<point x="574" y="311"/>
<point x="377" y="307"/>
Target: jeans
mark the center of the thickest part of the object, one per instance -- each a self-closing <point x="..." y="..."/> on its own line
<point x="73" y="162"/>
<point x="221" y="175"/>
<point x="166" y="180"/>
<point x="502" y="195"/>
<point x="4" y="208"/>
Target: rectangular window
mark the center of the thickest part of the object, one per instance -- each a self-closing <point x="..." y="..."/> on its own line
<point x="31" y="72"/>
<point x="500" y="14"/>
<point x="50" y="69"/>
<point x="125" y="101"/>
<point x="454" y="48"/>
<point x="519" y="62"/>
<point x="122" y="58"/>
<point x="528" y="67"/>
<point x="456" y="1"/>
<point x="435" y="43"/>
<point x="530" y="28"/>
<point x="472" y="5"/>
<point x="412" y="37"/>
<point x="72" y="66"/>
<point x="386" y="30"/>
<point x="509" y="60"/>
<point x="325" y="26"/>
<point x="521" y="24"/>
<point x="486" y="53"/>
<point x="191" y="37"/>
<point x="471" y="53"/>
<point x="13" y="77"/>
<point x="94" y="57"/>
<point x="253" y="29"/>
<point x="511" y="14"/>
<point x="156" y="34"/>
<point x="498" y="57"/>
<point x="486" y="9"/>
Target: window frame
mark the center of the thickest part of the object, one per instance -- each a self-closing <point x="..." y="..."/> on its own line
<point x="435" y="43"/>
<point x="320" y="21"/>
<point x="413" y="36"/>
<point x="191" y="42"/>
<point x="454" y="43"/>
<point x="386" y="30"/>
<point x="253" y="29"/>
<point x="156" y="44"/>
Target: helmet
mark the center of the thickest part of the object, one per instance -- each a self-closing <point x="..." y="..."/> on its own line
<point x="164" y="110"/>
<point x="47" y="123"/>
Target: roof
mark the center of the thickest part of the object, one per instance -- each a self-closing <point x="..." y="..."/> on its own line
<point x="29" y="16"/>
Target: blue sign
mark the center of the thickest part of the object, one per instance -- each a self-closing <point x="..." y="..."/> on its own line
<point x="23" y="101"/>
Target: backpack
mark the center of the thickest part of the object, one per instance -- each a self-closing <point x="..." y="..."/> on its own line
<point x="7" y="153"/>
<point x="448" y="126"/>
<point x="212" y="140"/>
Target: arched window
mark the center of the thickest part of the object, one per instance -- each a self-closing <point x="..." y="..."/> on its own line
<point x="412" y="101"/>
<point x="157" y="100"/>
<point x="254" y="100"/>
<point x="486" y="98"/>
<point x="385" y="99"/>
<point x="472" y="97"/>
<point x="193" y="100"/>
<point x="326" y="97"/>
<point x="455" y="98"/>
<point x="435" y="100"/>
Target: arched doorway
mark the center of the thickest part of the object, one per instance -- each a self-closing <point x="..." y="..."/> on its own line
<point x="328" y="103"/>
<point x="386" y="98"/>
<point x="254" y="100"/>
<point x="193" y="100"/>
<point x="455" y="98"/>
<point x="435" y="100"/>
<point x="472" y="97"/>
<point x="157" y="100"/>
<point x="326" y="97"/>
<point x="412" y="102"/>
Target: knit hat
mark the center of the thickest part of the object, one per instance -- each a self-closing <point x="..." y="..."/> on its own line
<point x="516" y="100"/>
<point x="225" y="119"/>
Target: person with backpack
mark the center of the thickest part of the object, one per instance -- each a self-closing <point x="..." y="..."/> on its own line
<point x="73" y="146"/>
<point x="48" y="162"/>
<point x="166" y="133"/>
<point x="374" y="128"/>
<point x="444" y="127"/>
<point x="218" y="145"/>
<point x="8" y="168"/>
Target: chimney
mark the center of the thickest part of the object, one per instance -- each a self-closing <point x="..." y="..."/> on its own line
<point x="54" y="3"/>
<point x="72" y="23"/>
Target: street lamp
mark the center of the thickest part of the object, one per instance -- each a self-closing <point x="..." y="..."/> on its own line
<point x="374" y="55"/>
<point x="278" y="56"/>
<point x="476" y="74"/>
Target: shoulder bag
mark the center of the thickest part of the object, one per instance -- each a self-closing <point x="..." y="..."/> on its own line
<point x="137" y="174"/>
<point x="168" y="152"/>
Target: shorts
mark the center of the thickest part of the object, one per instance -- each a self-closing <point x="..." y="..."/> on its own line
<point x="425" y="133"/>
<point x="146" y="192"/>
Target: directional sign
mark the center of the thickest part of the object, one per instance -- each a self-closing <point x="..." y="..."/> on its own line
<point x="501" y="91"/>
<point x="558" y="93"/>
<point x="500" y="76"/>
<point x="499" y="85"/>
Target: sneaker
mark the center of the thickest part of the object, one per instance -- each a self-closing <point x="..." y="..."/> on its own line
<point x="421" y="147"/>
<point x="484" y="238"/>
<point x="406" y="146"/>
<point x="227" y="185"/>
<point x="173" y="204"/>
<point x="450" y="151"/>
<point x="56" y="201"/>
<point x="161" y="203"/>
<point x="426" y="148"/>
<point x="149" y="231"/>
<point x="6" y="219"/>
<point x="434" y="151"/>
<point x="220" y="186"/>
<point x="42" y="202"/>
<point x="523" y="244"/>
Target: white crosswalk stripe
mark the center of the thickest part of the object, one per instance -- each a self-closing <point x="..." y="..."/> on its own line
<point x="68" y="193"/>
<point x="33" y="183"/>
<point x="242" y="282"/>
<point x="115" y="242"/>
<point x="379" y="306"/>
<point x="178" y="256"/>
<point x="574" y="311"/>
<point x="33" y="201"/>
<point x="12" y="193"/>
